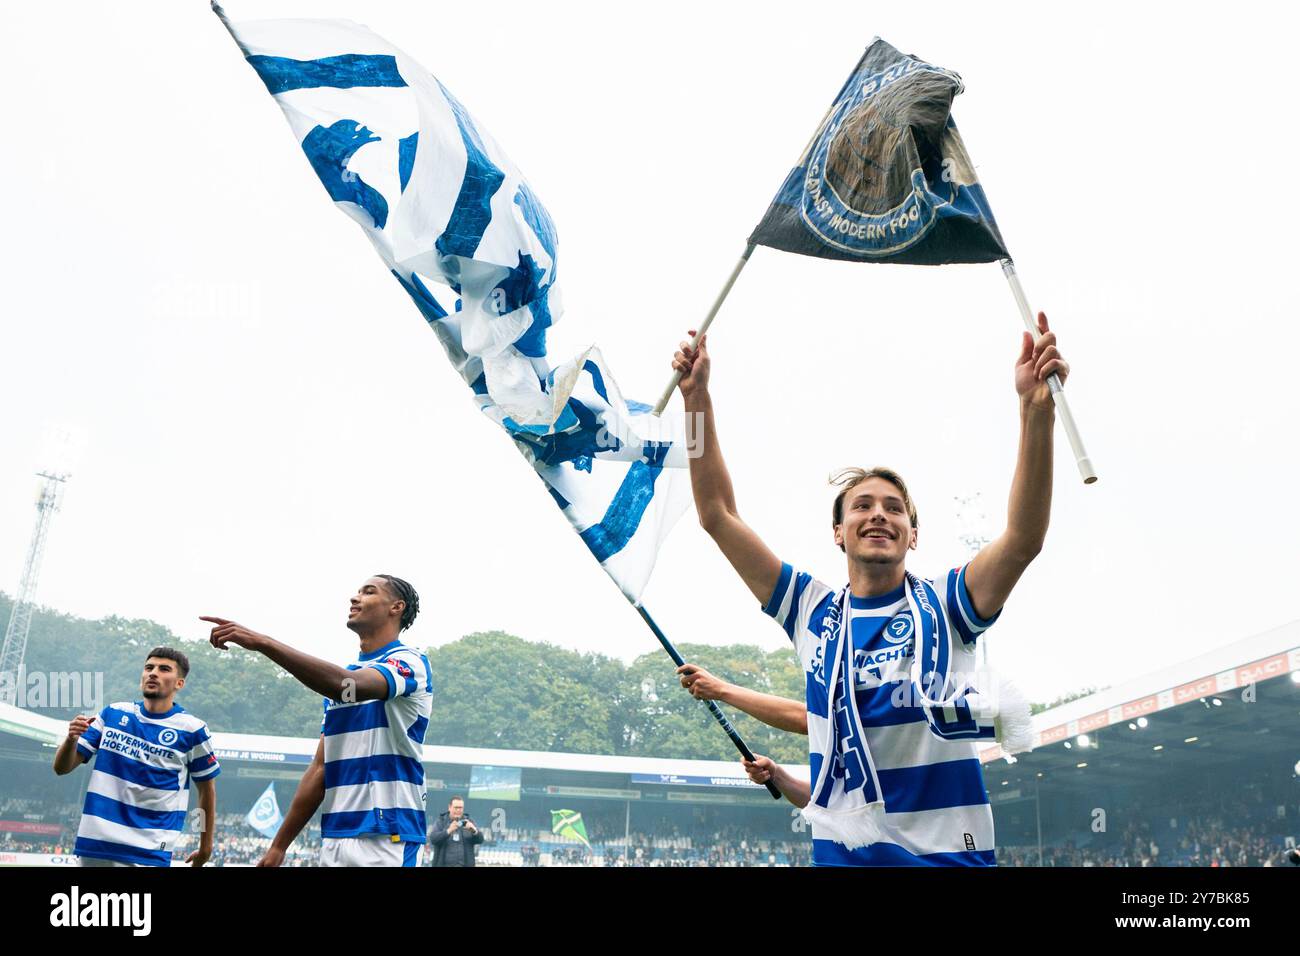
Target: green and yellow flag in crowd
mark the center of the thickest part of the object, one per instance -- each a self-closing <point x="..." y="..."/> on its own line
<point x="567" y="823"/>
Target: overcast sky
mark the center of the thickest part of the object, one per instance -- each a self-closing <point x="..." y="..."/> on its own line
<point x="267" y="420"/>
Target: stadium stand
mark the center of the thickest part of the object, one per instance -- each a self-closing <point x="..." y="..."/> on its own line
<point x="1197" y="764"/>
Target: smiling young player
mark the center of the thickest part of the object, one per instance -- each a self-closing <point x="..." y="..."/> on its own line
<point x="881" y="743"/>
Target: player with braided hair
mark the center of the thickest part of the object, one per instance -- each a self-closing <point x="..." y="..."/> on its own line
<point x="403" y="591"/>
<point x="367" y="777"/>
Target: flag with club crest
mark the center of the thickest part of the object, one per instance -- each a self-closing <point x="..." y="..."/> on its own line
<point x="265" y="816"/>
<point x="886" y="177"/>
<point x="443" y="205"/>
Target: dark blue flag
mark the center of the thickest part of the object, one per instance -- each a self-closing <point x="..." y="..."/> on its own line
<point x="886" y="177"/>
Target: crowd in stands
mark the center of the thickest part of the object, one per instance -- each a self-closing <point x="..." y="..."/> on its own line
<point x="744" y="853"/>
<point x="1235" y="832"/>
<point x="668" y="845"/>
<point x="66" y="816"/>
<point x="725" y="846"/>
<point x="238" y="844"/>
<point x="1229" y="833"/>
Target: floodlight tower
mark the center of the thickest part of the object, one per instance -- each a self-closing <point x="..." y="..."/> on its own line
<point x="20" y="620"/>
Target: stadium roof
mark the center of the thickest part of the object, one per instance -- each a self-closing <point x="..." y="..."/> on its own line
<point x="1220" y="720"/>
<point x="299" y="750"/>
<point x="1224" y="669"/>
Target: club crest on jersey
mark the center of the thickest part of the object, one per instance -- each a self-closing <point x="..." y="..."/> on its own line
<point x="898" y="629"/>
<point x="400" y="666"/>
<point x="124" y="721"/>
<point x="167" y="737"/>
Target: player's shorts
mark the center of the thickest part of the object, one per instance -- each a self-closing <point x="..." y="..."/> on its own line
<point x="100" y="861"/>
<point x="368" y="851"/>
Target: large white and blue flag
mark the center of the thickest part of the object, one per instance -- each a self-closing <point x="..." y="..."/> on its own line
<point x="265" y="816"/>
<point x="443" y="205"/>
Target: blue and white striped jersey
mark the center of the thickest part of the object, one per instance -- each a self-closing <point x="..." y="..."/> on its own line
<point x="937" y="810"/>
<point x="139" y="785"/>
<point x="374" y="772"/>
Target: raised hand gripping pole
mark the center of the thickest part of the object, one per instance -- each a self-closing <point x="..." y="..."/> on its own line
<point x="1086" y="471"/>
<point x="704" y="327"/>
<point x="718" y="715"/>
<point x="731" y="280"/>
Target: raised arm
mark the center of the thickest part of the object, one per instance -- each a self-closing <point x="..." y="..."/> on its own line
<point x="779" y="712"/>
<point x="328" y="680"/>
<point x="306" y="799"/>
<point x="996" y="569"/>
<point x="715" y="501"/>
<point x="66" y="757"/>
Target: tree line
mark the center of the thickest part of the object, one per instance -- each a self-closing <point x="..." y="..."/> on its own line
<point x="491" y="689"/>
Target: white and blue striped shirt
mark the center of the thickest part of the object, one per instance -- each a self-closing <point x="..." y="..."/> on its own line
<point x="139" y="785"/>
<point x="374" y="772"/>
<point x="937" y="810"/>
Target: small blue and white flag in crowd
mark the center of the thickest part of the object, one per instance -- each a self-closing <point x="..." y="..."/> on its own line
<point x="443" y="204"/>
<point x="265" y="816"/>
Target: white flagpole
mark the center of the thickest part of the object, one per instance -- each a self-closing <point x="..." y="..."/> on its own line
<point x="731" y="280"/>
<point x="704" y="327"/>
<point x="1086" y="471"/>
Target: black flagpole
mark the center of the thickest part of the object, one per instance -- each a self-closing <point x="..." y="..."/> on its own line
<point x="718" y="715"/>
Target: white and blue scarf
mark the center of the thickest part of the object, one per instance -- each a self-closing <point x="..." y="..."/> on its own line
<point x="960" y="702"/>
